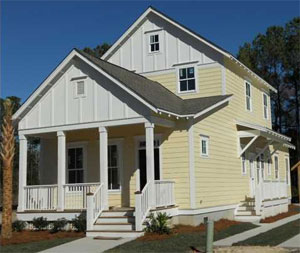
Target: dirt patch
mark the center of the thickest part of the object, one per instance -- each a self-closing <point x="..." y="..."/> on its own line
<point x="293" y="209"/>
<point x="34" y="236"/>
<point x="250" y="249"/>
<point x="185" y="229"/>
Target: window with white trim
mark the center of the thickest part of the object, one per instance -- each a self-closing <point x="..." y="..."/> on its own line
<point x="276" y="167"/>
<point x="204" y="143"/>
<point x="75" y="170"/>
<point x="262" y="165"/>
<point x="269" y="166"/>
<point x="265" y="105"/>
<point x="80" y="89"/>
<point x="248" y="96"/>
<point x="187" y="80"/>
<point x="113" y="168"/>
<point x="154" y="43"/>
<point x="244" y="166"/>
<point x="287" y="169"/>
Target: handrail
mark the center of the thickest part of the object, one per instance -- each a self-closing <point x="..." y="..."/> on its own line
<point x="142" y="208"/>
<point x="82" y="184"/>
<point x="40" y="186"/>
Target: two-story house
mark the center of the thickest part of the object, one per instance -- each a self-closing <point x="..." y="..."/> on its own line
<point x="165" y="121"/>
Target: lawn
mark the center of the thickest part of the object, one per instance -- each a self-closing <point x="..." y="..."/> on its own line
<point x="35" y="246"/>
<point x="274" y="236"/>
<point x="182" y="238"/>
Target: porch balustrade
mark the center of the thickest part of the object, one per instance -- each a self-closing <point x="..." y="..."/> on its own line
<point x="164" y="190"/>
<point x="274" y="190"/>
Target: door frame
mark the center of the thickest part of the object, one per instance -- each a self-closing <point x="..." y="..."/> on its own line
<point x="137" y="140"/>
<point x="252" y="171"/>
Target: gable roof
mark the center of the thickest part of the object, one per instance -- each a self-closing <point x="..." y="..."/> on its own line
<point x="209" y="43"/>
<point x="150" y="93"/>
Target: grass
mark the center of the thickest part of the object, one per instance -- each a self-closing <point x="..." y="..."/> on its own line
<point x="35" y="246"/>
<point x="180" y="242"/>
<point x="274" y="236"/>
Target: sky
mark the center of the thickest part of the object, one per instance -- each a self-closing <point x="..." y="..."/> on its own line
<point x="37" y="35"/>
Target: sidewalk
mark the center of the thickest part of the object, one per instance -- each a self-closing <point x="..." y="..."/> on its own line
<point x="294" y="242"/>
<point x="87" y="245"/>
<point x="253" y="232"/>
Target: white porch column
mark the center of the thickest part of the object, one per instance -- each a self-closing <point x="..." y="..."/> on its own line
<point x="22" y="171"/>
<point x="61" y="169"/>
<point x="104" y="163"/>
<point x="150" y="160"/>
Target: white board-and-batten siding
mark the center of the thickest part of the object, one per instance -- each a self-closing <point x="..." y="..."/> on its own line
<point x="103" y="101"/>
<point x="176" y="47"/>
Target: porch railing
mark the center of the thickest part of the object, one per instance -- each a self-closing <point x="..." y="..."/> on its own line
<point x="164" y="190"/>
<point x="274" y="189"/>
<point x="142" y="206"/>
<point x="75" y="194"/>
<point x="40" y="197"/>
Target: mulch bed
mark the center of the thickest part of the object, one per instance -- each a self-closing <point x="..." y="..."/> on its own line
<point x="292" y="211"/>
<point x="34" y="236"/>
<point x="185" y="229"/>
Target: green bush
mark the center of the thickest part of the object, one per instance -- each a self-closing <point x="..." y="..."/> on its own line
<point x="58" y="225"/>
<point x="79" y="223"/>
<point x="19" y="225"/>
<point x="158" y="224"/>
<point x="40" y="223"/>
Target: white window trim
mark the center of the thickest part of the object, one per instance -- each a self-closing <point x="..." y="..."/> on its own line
<point x="184" y="66"/>
<point x="119" y="144"/>
<point x="160" y="42"/>
<point x="263" y="104"/>
<point x="269" y="164"/>
<point x="251" y="97"/>
<point x="205" y="138"/>
<point x="288" y="168"/>
<point x="75" y="82"/>
<point x="244" y="162"/>
<point x="82" y="145"/>
<point x="276" y="178"/>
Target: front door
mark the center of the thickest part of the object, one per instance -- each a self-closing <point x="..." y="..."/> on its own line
<point x="142" y="164"/>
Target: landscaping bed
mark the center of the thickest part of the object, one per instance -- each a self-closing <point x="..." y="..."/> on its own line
<point x="251" y="249"/>
<point x="183" y="238"/>
<point x="274" y="236"/>
<point x="293" y="209"/>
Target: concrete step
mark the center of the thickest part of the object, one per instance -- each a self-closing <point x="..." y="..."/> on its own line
<point x="247" y="218"/>
<point x="246" y="208"/>
<point x="243" y="212"/>
<point x="114" y="234"/>
<point x="116" y="213"/>
<point x="116" y="219"/>
<point x="114" y="226"/>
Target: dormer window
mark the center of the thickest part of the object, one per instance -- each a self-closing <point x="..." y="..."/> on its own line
<point x="154" y="43"/>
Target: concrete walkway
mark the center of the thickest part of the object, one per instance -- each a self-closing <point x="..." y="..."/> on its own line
<point x="294" y="242"/>
<point x="87" y="245"/>
<point x="253" y="232"/>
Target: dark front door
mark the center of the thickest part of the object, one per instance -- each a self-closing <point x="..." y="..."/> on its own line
<point x="142" y="166"/>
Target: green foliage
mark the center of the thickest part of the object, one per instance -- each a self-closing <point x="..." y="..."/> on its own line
<point x="79" y="223"/>
<point x="40" y="223"/>
<point x="19" y="225"/>
<point x="59" y="225"/>
<point x="158" y="224"/>
<point x="98" y="51"/>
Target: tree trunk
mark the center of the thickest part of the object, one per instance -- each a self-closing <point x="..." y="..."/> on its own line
<point x="7" y="154"/>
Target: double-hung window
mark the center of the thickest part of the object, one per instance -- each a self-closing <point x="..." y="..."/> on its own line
<point x="248" y="96"/>
<point x="204" y="142"/>
<point x="262" y="162"/>
<point x="265" y="105"/>
<point x="113" y="167"/>
<point x="276" y="167"/>
<point x="154" y="43"/>
<point x="75" y="165"/>
<point x="269" y="166"/>
<point x="187" y="81"/>
<point x="244" y="168"/>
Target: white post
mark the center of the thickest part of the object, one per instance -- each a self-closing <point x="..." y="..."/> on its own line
<point x="104" y="164"/>
<point x="138" y="212"/>
<point x="61" y="169"/>
<point x="89" y="211"/>
<point x="150" y="161"/>
<point x="22" y="171"/>
<point x="137" y="180"/>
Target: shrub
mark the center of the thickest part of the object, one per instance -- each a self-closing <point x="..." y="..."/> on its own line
<point x="19" y="225"/>
<point x="58" y="225"/>
<point x="79" y="223"/>
<point x="158" y="224"/>
<point x="40" y="223"/>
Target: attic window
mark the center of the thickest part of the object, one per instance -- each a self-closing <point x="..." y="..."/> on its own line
<point x="80" y="89"/>
<point x="154" y="43"/>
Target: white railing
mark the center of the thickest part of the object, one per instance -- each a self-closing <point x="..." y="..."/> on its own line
<point x="40" y="197"/>
<point x="75" y="194"/>
<point x="274" y="190"/>
<point x="142" y="206"/>
<point x="95" y="205"/>
<point x="164" y="190"/>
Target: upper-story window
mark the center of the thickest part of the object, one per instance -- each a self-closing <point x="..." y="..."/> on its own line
<point x="154" y="43"/>
<point x="248" y="96"/>
<point x="187" y="81"/>
<point x="80" y="89"/>
<point x="265" y="105"/>
<point x="204" y="141"/>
